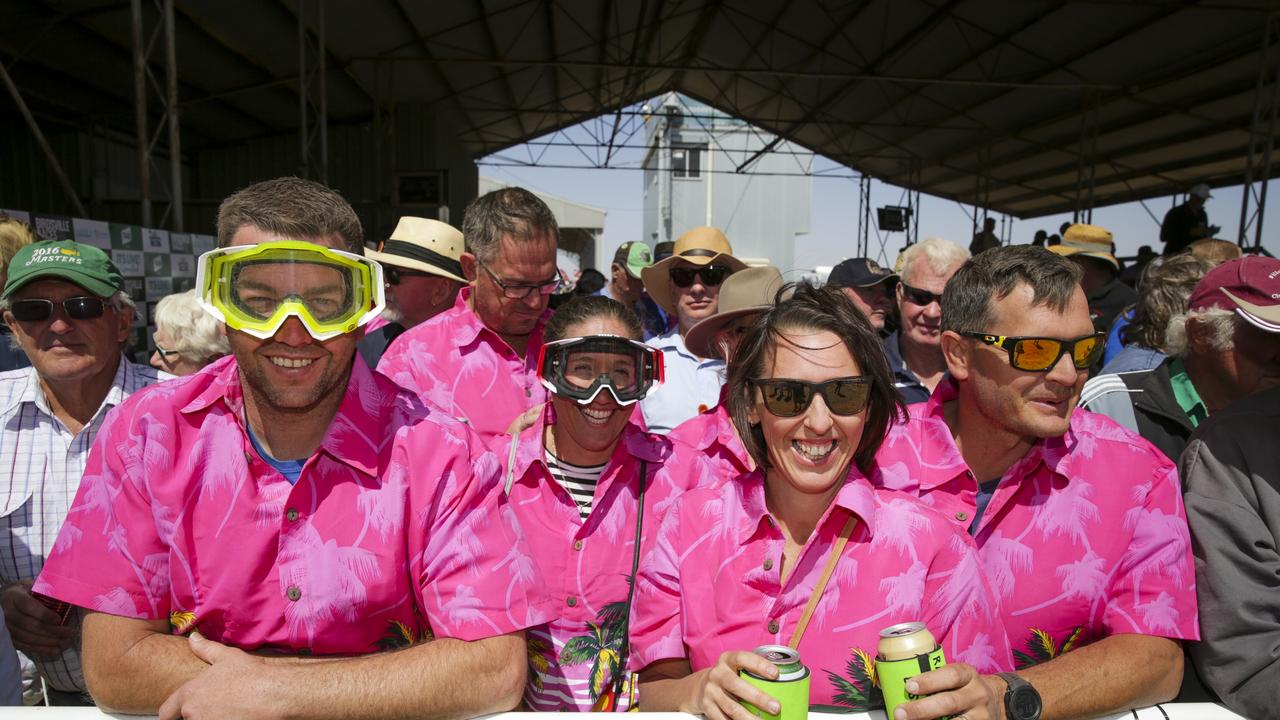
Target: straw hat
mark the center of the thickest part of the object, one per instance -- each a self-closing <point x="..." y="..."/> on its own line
<point x="1087" y="241"/>
<point x="747" y="291"/>
<point x="421" y="244"/>
<point x="700" y="246"/>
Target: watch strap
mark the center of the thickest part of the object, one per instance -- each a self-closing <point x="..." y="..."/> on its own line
<point x="1018" y="683"/>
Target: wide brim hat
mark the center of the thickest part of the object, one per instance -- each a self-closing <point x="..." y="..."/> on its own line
<point x="1087" y="241"/>
<point x="747" y="291"/>
<point x="425" y="245"/>
<point x="699" y="246"/>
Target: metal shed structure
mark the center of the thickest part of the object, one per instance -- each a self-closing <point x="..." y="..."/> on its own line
<point x="1026" y="108"/>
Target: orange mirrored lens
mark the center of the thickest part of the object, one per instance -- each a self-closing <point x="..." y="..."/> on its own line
<point x="1036" y="353"/>
<point x="1086" y="351"/>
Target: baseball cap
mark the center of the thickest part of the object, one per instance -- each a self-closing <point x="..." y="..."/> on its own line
<point x="634" y="257"/>
<point x="1249" y="285"/>
<point x="85" y="265"/>
<point x="858" y="272"/>
<point x="1201" y="191"/>
<point x="664" y="250"/>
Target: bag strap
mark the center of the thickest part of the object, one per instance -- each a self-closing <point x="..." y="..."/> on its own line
<point x="624" y="656"/>
<point x="836" y="549"/>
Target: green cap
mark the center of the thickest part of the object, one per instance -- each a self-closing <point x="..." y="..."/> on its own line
<point x="84" y="265"/>
<point x="634" y="256"/>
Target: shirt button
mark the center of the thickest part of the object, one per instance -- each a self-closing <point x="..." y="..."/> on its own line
<point x="291" y="515"/>
<point x="702" y="408"/>
<point x="773" y="627"/>
<point x="572" y="601"/>
<point x="528" y="393"/>
<point x="304" y="651"/>
<point x="962" y="516"/>
<point x="577" y="544"/>
<point x="293" y="593"/>
<point x="768" y="563"/>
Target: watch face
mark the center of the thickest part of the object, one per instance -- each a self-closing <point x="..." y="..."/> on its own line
<point x="1024" y="704"/>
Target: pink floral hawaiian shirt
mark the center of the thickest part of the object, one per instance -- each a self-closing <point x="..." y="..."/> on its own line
<point x="1084" y="537"/>
<point x="392" y="533"/>
<point x="708" y="450"/>
<point x="454" y="362"/>
<point x="575" y="660"/>
<point x="712" y="584"/>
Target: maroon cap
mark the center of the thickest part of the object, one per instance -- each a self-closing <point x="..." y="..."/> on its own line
<point x="1249" y="285"/>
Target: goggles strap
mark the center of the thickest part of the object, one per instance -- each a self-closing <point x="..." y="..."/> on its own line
<point x="416" y="252"/>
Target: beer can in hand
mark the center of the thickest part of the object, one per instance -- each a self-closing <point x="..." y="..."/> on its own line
<point x="905" y="650"/>
<point x="791" y="689"/>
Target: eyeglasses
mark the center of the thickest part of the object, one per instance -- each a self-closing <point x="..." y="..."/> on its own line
<point x="1038" y="354"/>
<point x="788" y="398"/>
<point x="712" y="275"/>
<point x="520" y="291"/>
<point x="167" y="355"/>
<point x="919" y="297"/>
<point x="394" y="274"/>
<point x="39" y="310"/>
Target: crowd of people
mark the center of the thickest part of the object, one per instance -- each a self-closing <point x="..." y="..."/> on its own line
<point x="438" y="479"/>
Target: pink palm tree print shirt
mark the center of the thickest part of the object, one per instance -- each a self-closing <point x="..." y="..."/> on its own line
<point x="392" y="533"/>
<point x="708" y="450"/>
<point x="455" y="363"/>
<point x="1085" y="536"/>
<point x="712" y="584"/>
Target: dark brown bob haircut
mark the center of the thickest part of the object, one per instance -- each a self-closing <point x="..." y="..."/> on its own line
<point x="812" y="309"/>
<point x="589" y="307"/>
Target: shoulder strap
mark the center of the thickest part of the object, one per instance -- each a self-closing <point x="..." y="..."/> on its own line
<point x="837" y="548"/>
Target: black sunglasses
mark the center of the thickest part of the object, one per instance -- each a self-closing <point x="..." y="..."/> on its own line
<point x="712" y="275"/>
<point x="1038" y="354"/>
<point x="788" y="398"/>
<point x="394" y="274"/>
<point x="919" y="297"/>
<point x="39" y="310"/>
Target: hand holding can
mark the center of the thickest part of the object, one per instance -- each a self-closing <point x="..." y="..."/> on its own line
<point x="791" y="689"/>
<point x="905" y="651"/>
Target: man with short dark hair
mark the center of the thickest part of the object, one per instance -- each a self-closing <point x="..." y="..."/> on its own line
<point x="986" y="239"/>
<point x="66" y="306"/>
<point x="479" y="359"/>
<point x="422" y="262"/>
<point x="625" y="286"/>
<point x="868" y="285"/>
<point x="287" y="503"/>
<point x="1079" y="523"/>
<point x="1188" y="222"/>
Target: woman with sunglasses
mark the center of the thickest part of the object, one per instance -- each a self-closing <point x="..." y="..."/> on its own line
<point x="803" y="551"/>
<point x="584" y="481"/>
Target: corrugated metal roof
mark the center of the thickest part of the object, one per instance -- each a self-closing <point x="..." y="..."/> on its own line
<point x="980" y="100"/>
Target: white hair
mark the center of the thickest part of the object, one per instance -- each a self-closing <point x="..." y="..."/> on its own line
<point x="195" y="332"/>
<point x="941" y="255"/>
<point x="1217" y="325"/>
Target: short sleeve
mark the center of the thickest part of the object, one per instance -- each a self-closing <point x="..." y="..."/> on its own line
<point x="473" y="571"/>
<point x="109" y="556"/>
<point x="656" y="624"/>
<point x="1152" y="590"/>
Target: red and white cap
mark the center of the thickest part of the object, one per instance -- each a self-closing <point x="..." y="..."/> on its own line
<point x="1249" y="285"/>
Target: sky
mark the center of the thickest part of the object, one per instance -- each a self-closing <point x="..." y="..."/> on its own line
<point x="618" y="190"/>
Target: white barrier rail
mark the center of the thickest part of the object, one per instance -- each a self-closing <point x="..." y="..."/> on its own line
<point x="1167" y="711"/>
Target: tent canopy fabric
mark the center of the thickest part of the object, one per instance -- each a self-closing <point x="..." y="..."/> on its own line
<point x="1021" y="107"/>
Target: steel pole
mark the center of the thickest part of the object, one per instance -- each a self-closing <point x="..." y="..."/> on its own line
<point x="171" y="104"/>
<point x="44" y="144"/>
<point x="140" y="112"/>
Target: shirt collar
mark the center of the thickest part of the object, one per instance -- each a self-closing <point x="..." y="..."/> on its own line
<point x="32" y="392"/>
<point x="856" y="496"/>
<point x="1184" y="392"/>
<point x="365" y="409"/>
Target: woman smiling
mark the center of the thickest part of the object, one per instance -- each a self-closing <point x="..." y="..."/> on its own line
<point x="746" y="564"/>
<point x="583" y="480"/>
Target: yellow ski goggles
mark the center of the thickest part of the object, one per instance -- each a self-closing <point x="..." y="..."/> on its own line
<point x="255" y="288"/>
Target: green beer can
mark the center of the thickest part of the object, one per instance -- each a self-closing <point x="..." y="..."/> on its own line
<point x="905" y="650"/>
<point x="791" y="689"/>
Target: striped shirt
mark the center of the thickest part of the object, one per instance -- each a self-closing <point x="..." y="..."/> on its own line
<point x="579" y="481"/>
<point x="40" y="466"/>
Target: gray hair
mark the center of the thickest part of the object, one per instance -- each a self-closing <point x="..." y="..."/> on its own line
<point x="1163" y="290"/>
<point x="1216" y="324"/>
<point x="941" y="255"/>
<point x="195" y="332"/>
<point x="511" y="211"/>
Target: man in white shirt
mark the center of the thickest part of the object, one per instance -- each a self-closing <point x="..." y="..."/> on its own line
<point x="65" y="305"/>
<point x="687" y="285"/>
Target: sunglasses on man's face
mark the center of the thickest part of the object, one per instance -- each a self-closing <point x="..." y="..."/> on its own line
<point x="394" y="274"/>
<point x="40" y="310"/>
<point x="916" y="296"/>
<point x="712" y="275"/>
<point x="1039" y="354"/>
<point x="788" y="398"/>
